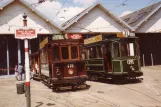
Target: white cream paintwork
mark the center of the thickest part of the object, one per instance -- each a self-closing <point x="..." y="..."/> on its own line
<point x="11" y="19"/>
<point x="153" y="24"/>
<point x="95" y="20"/>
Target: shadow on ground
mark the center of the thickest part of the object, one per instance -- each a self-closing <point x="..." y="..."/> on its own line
<point x="120" y="82"/>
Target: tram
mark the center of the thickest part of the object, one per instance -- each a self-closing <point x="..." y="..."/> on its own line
<point x="112" y="57"/>
<point x="35" y="66"/>
<point x="60" y="63"/>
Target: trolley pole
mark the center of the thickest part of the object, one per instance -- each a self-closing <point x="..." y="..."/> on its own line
<point x="27" y="71"/>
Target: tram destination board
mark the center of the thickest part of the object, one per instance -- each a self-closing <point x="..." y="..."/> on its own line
<point x="25" y="34"/>
<point x="93" y="39"/>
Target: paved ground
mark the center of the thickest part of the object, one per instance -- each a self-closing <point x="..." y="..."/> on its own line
<point x="100" y="94"/>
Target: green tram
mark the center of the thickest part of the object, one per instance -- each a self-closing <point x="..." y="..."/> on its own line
<point x="112" y="57"/>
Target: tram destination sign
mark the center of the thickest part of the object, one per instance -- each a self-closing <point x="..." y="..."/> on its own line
<point x="93" y="39"/>
<point x="25" y="34"/>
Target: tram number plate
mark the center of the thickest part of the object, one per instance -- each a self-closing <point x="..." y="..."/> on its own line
<point x="130" y="62"/>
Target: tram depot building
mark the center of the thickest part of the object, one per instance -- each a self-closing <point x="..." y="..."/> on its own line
<point x="92" y="21"/>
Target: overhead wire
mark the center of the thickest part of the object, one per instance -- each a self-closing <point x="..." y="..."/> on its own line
<point x="60" y="9"/>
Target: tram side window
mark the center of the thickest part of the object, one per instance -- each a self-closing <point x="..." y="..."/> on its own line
<point x="65" y="53"/>
<point x="74" y="52"/>
<point x="55" y="53"/>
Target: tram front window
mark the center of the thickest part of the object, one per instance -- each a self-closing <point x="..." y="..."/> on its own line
<point x="74" y="52"/>
<point x="95" y="52"/>
<point x="116" y="52"/>
<point x="127" y="49"/>
<point x="65" y="53"/>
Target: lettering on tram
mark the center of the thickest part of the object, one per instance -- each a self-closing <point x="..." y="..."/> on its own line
<point x="60" y="63"/>
<point x="112" y="57"/>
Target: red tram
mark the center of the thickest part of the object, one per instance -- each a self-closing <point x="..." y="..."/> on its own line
<point x="60" y="63"/>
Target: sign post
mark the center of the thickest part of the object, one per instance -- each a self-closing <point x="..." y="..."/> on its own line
<point x="126" y="33"/>
<point x="26" y="34"/>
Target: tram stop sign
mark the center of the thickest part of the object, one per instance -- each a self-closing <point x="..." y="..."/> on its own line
<point x="25" y="34"/>
<point x="126" y="33"/>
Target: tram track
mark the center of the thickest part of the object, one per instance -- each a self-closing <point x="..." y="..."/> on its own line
<point x="105" y="101"/>
<point x="142" y="94"/>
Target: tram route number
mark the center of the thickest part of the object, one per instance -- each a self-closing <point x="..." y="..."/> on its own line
<point x="93" y="39"/>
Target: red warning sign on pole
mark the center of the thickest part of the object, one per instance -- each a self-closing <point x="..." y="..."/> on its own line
<point x="25" y="34"/>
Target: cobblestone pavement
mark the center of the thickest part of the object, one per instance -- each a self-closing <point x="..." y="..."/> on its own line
<point x="100" y="94"/>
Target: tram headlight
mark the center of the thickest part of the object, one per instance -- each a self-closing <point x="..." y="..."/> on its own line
<point x="70" y="71"/>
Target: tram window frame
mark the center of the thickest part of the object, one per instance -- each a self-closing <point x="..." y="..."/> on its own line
<point x="118" y="50"/>
<point x="99" y="51"/>
<point x="62" y="53"/>
<point x="92" y="54"/>
<point x="83" y="52"/>
<point x="70" y="53"/>
<point x="55" y="53"/>
<point x="77" y="56"/>
<point x="129" y="51"/>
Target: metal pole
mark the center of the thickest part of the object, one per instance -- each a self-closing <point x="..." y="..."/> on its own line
<point x="29" y="46"/>
<point x="19" y="52"/>
<point x="143" y="61"/>
<point x="7" y="57"/>
<point x="28" y="96"/>
<point x="27" y="72"/>
<point x="152" y="59"/>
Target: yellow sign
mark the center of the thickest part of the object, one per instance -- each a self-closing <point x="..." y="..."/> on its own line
<point x="120" y="35"/>
<point x="93" y="39"/>
<point x="43" y="43"/>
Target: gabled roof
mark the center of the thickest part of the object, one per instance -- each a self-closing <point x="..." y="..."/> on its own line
<point x="138" y="17"/>
<point x="32" y="9"/>
<point x="83" y="13"/>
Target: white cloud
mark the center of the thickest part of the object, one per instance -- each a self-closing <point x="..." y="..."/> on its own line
<point x="125" y="13"/>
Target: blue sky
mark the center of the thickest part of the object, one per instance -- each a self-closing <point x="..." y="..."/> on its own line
<point x="131" y="5"/>
<point x="61" y="10"/>
<point x="114" y="5"/>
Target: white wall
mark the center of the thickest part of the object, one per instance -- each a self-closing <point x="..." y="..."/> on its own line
<point x="11" y="19"/>
<point x="153" y="24"/>
<point x="96" y="21"/>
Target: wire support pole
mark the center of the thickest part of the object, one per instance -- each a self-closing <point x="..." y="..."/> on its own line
<point x="27" y="70"/>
